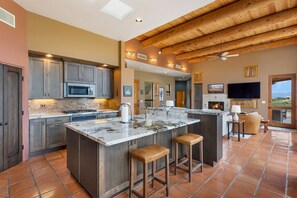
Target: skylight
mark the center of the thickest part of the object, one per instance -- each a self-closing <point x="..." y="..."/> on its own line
<point x="117" y="9"/>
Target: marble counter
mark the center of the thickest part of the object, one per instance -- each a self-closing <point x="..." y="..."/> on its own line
<point x="45" y="114"/>
<point x="111" y="131"/>
<point x="207" y="111"/>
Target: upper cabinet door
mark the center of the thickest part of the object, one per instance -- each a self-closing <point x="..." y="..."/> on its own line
<point x="73" y="72"/>
<point x="54" y="79"/>
<point x="104" y="83"/>
<point x="88" y="74"/>
<point x="36" y="78"/>
<point x="108" y="83"/>
<point x="100" y="93"/>
<point x="45" y="78"/>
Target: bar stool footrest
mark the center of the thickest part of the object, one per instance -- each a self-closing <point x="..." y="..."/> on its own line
<point x="199" y="164"/>
<point x="182" y="161"/>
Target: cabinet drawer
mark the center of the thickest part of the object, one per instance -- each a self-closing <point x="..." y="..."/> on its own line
<point x="57" y="120"/>
<point x="107" y="115"/>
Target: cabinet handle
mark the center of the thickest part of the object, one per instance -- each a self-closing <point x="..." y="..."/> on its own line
<point x="1" y="124"/>
<point x="48" y="94"/>
<point x="5" y="124"/>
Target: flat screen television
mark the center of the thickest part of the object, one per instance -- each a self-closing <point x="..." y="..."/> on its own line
<point x="244" y="90"/>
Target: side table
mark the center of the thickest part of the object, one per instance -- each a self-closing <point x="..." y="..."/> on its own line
<point x="239" y="123"/>
<point x="265" y="122"/>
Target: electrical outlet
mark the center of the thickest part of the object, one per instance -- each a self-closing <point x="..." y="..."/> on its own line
<point x="42" y="106"/>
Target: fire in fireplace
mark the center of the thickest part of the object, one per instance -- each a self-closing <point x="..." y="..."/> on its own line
<point x="216" y="105"/>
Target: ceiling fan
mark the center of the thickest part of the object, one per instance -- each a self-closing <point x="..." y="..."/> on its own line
<point x="225" y="55"/>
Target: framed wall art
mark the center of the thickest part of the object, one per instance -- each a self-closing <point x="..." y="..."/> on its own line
<point x="250" y="71"/>
<point x="127" y="91"/>
<point x="216" y="88"/>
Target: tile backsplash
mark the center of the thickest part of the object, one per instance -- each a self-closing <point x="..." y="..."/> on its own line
<point x="51" y="105"/>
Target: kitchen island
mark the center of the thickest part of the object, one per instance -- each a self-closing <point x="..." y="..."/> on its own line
<point x="98" y="150"/>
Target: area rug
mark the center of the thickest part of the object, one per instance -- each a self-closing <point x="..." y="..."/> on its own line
<point x="281" y="129"/>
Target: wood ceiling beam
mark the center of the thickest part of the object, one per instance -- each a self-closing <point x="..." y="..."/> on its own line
<point x="260" y="47"/>
<point x="212" y="17"/>
<point x="245" y="42"/>
<point x="288" y="17"/>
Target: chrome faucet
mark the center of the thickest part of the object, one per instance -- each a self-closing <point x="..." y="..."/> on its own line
<point x="131" y="119"/>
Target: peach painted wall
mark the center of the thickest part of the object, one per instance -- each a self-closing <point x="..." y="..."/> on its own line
<point x="152" y="52"/>
<point x="50" y="36"/>
<point x="127" y="79"/>
<point x="270" y="62"/>
<point x="14" y="52"/>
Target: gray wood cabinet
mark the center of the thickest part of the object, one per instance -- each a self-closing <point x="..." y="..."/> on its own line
<point x="73" y="153"/>
<point x="107" y="115"/>
<point x="79" y="73"/>
<point x="37" y="135"/>
<point x="56" y="132"/>
<point x="210" y="127"/>
<point x="104" y="170"/>
<point x="104" y="83"/>
<point x="47" y="134"/>
<point x="45" y="78"/>
<point x="88" y="165"/>
<point x="10" y="116"/>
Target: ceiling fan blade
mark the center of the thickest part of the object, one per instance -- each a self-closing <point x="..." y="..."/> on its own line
<point x="224" y="58"/>
<point x="224" y="53"/>
<point x="232" y="55"/>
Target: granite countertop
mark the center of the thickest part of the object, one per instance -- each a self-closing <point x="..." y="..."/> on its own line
<point x="111" y="131"/>
<point x="60" y="114"/>
<point x="207" y="111"/>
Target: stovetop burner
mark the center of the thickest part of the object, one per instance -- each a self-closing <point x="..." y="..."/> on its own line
<point x="79" y="111"/>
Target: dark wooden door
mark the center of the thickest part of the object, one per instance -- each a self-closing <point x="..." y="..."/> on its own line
<point x="1" y="120"/>
<point x="12" y="82"/>
<point x="198" y="96"/>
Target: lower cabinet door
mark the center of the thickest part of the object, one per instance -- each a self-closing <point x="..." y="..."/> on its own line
<point x="37" y="135"/>
<point x="73" y="153"/>
<point x="55" y="135"/>
<point x="88" y="165"/>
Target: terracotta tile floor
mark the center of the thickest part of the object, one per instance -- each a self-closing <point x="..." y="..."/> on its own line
<point x="265" y="165"/>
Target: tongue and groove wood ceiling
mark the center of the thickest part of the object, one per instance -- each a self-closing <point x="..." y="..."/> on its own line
<point x="236" y="26"/>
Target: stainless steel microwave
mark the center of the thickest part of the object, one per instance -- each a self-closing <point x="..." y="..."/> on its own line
<point x="77" y="90"/>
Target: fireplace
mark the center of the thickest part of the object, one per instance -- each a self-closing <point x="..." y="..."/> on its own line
<point x="216" y="105"/>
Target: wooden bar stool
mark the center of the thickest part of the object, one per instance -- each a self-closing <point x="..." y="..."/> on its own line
<point x="147" y="155"/>
<point x="189" y="139"/>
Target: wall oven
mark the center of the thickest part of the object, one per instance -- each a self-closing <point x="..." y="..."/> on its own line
<point x="76" y="90"/>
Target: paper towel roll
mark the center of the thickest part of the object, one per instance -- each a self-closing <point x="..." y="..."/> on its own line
<point x="125" y="114"/>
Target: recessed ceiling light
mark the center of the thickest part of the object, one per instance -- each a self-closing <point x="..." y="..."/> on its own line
<point x="160" y="52"/>
<point x="117" y="9"/>
<point x="104" y="65"/>
<point x="49" y="55"/>
<point x="138" y="20"/>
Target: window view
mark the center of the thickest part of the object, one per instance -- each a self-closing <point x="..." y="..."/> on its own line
<point x="281" y="97"/>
